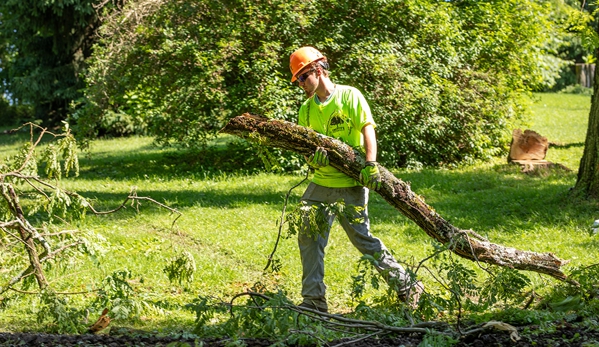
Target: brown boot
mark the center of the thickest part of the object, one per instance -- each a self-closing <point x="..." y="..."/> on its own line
<point x="312" y="306"/>
<point x="412" y="296"/>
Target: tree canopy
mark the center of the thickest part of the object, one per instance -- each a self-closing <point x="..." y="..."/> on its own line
<point x="43" y="46"/>
<point x="444" y="79"/>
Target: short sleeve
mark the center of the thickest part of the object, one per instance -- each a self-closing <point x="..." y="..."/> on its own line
<point x="360" y="110"/>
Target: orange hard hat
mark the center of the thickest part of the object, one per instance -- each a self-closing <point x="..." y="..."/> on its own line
<point x="303" y="57"/>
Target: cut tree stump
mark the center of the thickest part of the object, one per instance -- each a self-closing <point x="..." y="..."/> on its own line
<point x="531" y="166"/>
<point x="528" y="149"/>
<point x="527" y="145"/>
<point x="465" y="243"/>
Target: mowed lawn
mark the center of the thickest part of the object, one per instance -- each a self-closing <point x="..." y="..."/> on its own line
<point x="230" y="222"/>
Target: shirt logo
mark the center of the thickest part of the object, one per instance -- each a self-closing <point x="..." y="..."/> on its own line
<point x="338" y="122"/>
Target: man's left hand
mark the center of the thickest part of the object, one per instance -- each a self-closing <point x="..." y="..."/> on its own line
<point x="370" y="177"/>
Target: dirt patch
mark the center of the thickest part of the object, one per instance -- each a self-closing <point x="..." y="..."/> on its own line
<point x="563" y="336"/>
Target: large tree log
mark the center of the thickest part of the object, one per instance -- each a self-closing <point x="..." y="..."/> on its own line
<point x="397" y="193"/>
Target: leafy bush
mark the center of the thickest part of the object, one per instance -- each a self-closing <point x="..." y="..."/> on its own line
<point x="577" y="89"/>
<point x="120" y="124"/>
<point x="444" y="79"/>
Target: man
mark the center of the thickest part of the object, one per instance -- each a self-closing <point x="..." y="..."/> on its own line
<point x="341" y="112"/>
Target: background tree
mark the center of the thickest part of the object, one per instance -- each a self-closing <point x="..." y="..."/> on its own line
<point x="588" y="172"/>
<point x="444" y="80"/>
<point x="565" y="49"/>
<point x="44" y="45"/>
<point x="586" y="24"/>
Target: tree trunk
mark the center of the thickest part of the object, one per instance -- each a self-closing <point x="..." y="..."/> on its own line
<point x="466" y="243"/>
<point x="35" y="266"/>
<point x="588" y="173"/>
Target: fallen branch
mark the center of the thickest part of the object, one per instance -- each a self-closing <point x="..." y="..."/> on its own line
<point x="364" y="329"/>
<point x="48" y="253"/>
<point x="467" y="243"/>
<point x="132" y="197"/>
<point x="59" y="159"/>
<point x="341" y="321"/>
<point x="25" y="234"/>
<point x="28" y="234"/>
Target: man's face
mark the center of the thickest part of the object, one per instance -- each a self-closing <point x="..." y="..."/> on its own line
<point x="307" y="79"/>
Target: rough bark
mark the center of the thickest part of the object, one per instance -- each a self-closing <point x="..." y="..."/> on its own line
<point x="397" y="193"/>
<point x="588" y="173"/>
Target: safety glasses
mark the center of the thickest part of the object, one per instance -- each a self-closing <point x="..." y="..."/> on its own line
<point x="302" y="78"/>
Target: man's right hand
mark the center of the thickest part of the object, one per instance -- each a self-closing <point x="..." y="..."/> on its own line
<point x="319" y="159"/>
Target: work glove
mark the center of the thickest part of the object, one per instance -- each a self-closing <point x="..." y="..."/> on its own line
<point x="370" y="177"/>
<point x="319" y="158"/>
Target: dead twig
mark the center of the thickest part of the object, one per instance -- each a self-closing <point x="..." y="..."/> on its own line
<point x="282" y="221"/>
<point x="59" y="293"/>
<point x="133" y="197"/>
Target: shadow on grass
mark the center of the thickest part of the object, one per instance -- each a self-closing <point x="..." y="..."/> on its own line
<point x="10" y="139"/>
<point x="499" y="198"/>
<point x="566" y="145"/>
<point x="148" y="161"/>
<point x="182" y="199"/>
<point x="14" y="136"/>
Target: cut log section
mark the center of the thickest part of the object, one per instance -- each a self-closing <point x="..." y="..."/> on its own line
<point x="527" y="145"/>
<point x="528" y="149"/>
<point x="466" y="243"/>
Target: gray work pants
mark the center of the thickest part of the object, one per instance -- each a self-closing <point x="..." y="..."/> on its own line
<point x="312" y="248"/>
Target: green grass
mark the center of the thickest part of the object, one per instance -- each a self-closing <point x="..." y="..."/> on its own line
<point x="230" y="222"/>
<point x="563" y="119"/>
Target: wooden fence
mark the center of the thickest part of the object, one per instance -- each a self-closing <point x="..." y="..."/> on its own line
<point x="585" y="74"/>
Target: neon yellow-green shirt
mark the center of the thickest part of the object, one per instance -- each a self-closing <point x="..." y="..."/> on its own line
<point x="342" y="116"/>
